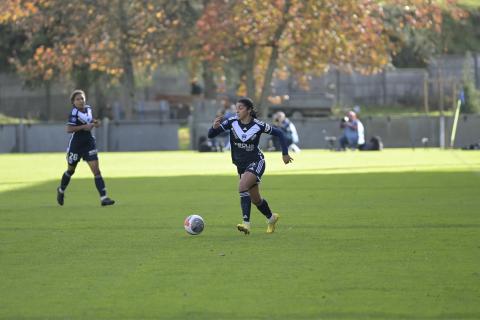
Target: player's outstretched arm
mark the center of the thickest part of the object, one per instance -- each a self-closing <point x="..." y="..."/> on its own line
<point x="285" y="156"/>
<point x="216" y="128"/>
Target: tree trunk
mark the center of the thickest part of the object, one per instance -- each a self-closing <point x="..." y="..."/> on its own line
<point x="82" y="77"/>
<point x="128" y="79"/>
<point x="48" y="100"/>
<point x="210" y="90"/>
<point x="100" y="100"/>
<point x="128" y="82"/>
<point x="272" y="62"/>
<point x="250" y="72"/>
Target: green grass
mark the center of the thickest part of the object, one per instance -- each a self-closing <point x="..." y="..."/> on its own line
<point x="11" y="120"/>
<point x="470" y="3"/>
<point x="387" y="235"/>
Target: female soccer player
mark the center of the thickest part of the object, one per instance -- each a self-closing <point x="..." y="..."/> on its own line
<point x="82" y="145"/>
<point x="245" y="131"/>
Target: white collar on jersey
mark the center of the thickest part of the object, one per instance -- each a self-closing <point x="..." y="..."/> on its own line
<point x="244" y="136"/>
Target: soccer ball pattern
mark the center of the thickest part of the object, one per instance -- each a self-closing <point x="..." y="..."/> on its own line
<point x="194" y="224"/>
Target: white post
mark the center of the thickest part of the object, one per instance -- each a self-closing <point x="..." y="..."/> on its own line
<point x="106" y="124"/>
<point x="21" y="136"/>
<point x="455" y="122"/>
<point x="442" y="132"/>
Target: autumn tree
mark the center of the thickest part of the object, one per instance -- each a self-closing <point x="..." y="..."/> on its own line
<point x="305" y="37"/>
<point x="419" y="45"/>
<point x="262" y="39"/>
<point x="111" y="38"/>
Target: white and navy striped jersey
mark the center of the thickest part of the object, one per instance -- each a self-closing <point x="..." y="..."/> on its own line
<point x="244" y="139"/>
<point x="78" y="118"/>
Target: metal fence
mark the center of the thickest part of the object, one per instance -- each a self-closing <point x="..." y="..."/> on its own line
<point x="434" y="87"/>
<point x="430" y="88"/>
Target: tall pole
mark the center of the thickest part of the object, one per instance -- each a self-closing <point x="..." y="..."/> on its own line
<point x="384" y="87"/>
<point x="425" y="91"/>
<point x="442" y="117"/>
<point x="455" y="122"/>
<point x="477" y="75"/>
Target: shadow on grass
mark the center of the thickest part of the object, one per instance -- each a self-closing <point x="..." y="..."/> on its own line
<point x="336" y="249"/>
<point x="197" y="193"/>
<point x="356" y="201"/>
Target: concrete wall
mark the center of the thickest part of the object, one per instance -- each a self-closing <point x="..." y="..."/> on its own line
<point x="468" y="130"/>
<point x="8" y="138"/>
<point x="146" y="136"/>
<point x="394" y="132"/>
<point x="44" y="137"/>
<point x="113" y="136"/>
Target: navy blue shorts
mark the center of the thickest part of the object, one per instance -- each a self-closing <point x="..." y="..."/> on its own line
<point x="87" y="151"/>
<point x="257" y="168"/>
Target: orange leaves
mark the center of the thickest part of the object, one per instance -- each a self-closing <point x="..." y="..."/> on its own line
<point x="30" y="8"/>
<point x="307" y="35"/>
<point x="45" y="65"/>
<point x="14" y="10"/>
<point x="92" y="34"/>
<point x="351" y="34"/>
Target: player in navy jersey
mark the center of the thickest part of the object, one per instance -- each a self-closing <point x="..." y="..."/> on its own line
<point x="82" y="146"/>
<point x="245" y="131"/>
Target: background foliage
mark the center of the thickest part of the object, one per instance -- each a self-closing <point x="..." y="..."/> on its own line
<point x="237" y="44"/>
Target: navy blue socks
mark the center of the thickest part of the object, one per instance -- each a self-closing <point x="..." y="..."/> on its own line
<point x="100" y="184"/>
<point x="67" y="175"/>
<point x="265" y="209"/>
<point x="246" y="204"/>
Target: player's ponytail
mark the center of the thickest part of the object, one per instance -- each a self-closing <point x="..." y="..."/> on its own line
<point x="247" y="102"/>
<point x="253" y="113"/>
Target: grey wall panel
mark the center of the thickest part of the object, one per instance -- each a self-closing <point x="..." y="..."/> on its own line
<point x="468" y="131"/>
<point x="131" y="136"/>
<point x="119" y="136"/>
<point x="394" y="132"/>
<point x="8" y="137"/>
<point x="313" y="133"/>
<point x="45" y="137"/>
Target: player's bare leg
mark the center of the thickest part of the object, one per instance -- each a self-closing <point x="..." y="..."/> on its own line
<point x="255" y="194"/>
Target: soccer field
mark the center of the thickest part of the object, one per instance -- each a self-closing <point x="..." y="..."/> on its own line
<point x="362" y="235"/>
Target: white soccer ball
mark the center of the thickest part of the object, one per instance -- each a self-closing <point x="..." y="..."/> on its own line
<point x="194" y="224"/>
